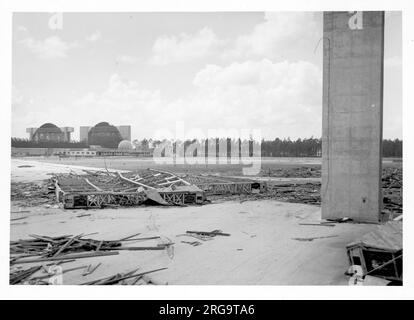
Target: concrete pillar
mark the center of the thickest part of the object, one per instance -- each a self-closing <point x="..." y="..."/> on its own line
<point x="125" y="132"/>
<point x="83" y="133"/>
<point x="67" y="131"/>
<point x="352" y="115"/>
<point x="31" y="132"/>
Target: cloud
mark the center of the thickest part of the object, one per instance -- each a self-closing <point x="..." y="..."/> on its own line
<point x="22" y="28"/>
<point x="123" y="58"/>
<point x="184" y="47"/>
<point x="50" y="48"/>
<point x="17" y="97"/>
<point x="123" y="100"/>
<point x="282" y="99"/>
<point x="94" y="36"/>
<point x="282" y="35"/>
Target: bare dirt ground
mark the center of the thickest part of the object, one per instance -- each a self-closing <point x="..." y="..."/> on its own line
<point x="261" y="250"/>
<point x="273" y="167"/>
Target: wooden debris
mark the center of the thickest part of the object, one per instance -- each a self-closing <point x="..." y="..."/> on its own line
<point x="45" y="248"/>
<point x="29" y="194"/>
<point x="317" y="224"/>
<point x="70" y="241"/>
<point x="210" y="233"/>
<point x="52" y="274"/>
<point x="91" y="269"/>
<point x="115" y="279"/>
<point x="20" y="276"/>
<point x="193" y="243"/>
<point x="162" y="247"/>
<point x="83" y="215"/>
<point x="148" y="280"/>
<point x="48" y="246"/>
<point x="129" y="237"/>
<point x="20" y="218"/>
<point x="99" y="245"/>
<point x="313" y="238"/>
<point x="68" y="256"/>
<point x="147" y="238"/>
<point x="196" y="236"/>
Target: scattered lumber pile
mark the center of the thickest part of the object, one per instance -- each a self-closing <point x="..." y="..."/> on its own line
<point x="122" y="278"/>
<point x="308" y="193"/>
<point x="67" y="248"/>
<point x="45" y="248"/>
<point x="294" y="172"/>
<point x="18" y="275"/>
<point x="203" y="236"/>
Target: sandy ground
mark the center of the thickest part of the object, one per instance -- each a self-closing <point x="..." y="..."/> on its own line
<point x="32" y="170"/>
<point x="260" y="251"/>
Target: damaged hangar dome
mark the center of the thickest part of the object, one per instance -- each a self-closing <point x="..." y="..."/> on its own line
<point x="48" y="132"/>
<point x="105" y="135"/>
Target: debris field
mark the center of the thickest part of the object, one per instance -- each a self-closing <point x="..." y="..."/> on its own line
<point x="36" y="254"/>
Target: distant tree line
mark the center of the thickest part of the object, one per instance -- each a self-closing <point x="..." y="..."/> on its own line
<point x="223" y="147"/>
<point x="392" y="148"/>
<point x="26" y="143"/>
<point x="310" y="147"/>
<point x="292" y="148"/>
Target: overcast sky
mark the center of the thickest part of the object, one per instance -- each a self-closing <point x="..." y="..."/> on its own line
<point x="209" y="70"/>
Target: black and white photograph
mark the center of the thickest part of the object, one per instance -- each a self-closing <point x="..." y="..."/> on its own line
<point x="184" y="147"/>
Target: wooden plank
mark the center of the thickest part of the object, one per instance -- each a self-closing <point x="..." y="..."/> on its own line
<point x="129" y="237"/>
<point x="122" y="278"/>
<point x="69" y="256"/>
<point x="135" y="248"/>
<point x="99" y="245"/>
<point x="208" y="233"/>
<point x="317" y="224"/>
<point x="69" y="242"/>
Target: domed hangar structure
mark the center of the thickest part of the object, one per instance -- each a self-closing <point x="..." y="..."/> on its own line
<point x="105" y="135"/>
<point x="50" y="132"/>
<point x="84" y="131"/>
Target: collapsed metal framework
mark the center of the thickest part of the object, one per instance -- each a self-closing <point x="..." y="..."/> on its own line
<point x="97" y="189"/>
<point x="213" y="185"/>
